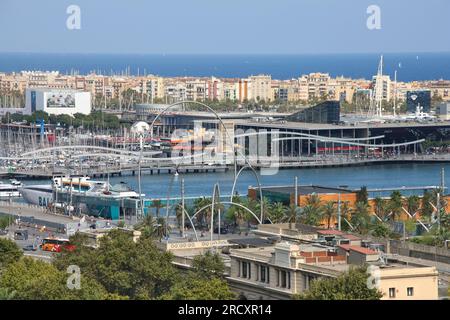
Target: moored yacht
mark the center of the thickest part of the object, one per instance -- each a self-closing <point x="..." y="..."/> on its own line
<point x="8" y="190"/>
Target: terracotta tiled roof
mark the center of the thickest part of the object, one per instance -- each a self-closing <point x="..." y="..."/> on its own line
<point x="330" y="232"/>
<point x="362" y="250"/>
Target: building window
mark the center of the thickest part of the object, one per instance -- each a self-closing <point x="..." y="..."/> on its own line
<point x="263" y="271"/>
<point x="244" y="269"/>
<point x="239" y="269"/>
<point x="283" y="279"/>
<point x="410" y="291"/>
<point x="391" y="292"/>
<point x="278" y="278"/>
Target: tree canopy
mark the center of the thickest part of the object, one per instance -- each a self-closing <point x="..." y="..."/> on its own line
<point x="351" y="285"/>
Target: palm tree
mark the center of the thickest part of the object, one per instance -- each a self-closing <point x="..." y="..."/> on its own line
<point x="311" y="215"/>
<point x="203" y="215"/>
<point x="291" y="214"/>
<point x="157" y="204"/>
<point x="161" y="229"/>
<point x="238" y="214"/>
<point x="380" y="207"/>
<point x="267" y="206"/>
<point x="276" y="212"/>
<point x="395" y="204"/>
<point x="413" y="204"/>
<point x="329" y="211"/>
<point x="362" y="195"/>
<point x="147" y="226"/>
<point x="313" y="200"/>
<point x="426" y="207"/>
<point x="345" y="216"/>
<point x="179" y="214"/>
<point x="360" y="217"/>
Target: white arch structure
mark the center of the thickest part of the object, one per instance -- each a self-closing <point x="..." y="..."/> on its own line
<point x="228" y="136"/>
<point x="393" y="145"/>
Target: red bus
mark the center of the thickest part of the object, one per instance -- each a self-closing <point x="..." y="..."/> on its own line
<point x="56" y="244"/>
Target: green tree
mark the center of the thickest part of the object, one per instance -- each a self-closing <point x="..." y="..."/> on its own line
<point x="351" y="285"/>
<point x="361" y="218"/>
<point x="157" y="205"/>
<point x="380" y="229"/>
<point x="291" y="214"/>
<point x="6" y="294"/>
<point x="276" y="212"/>
<point x="5" y="222"/>
<point x="426" y="207"/>
<point x="380" y="208"/>
<point x="413" y="204"/>
<point x="9" y="252"/>
<point x="208" y="265"/>
<point x="124" y="268"/>
<point x="31" y="279"/>
<point x="329" y="211"/>
<point x="395" y="205"/>
<point x="267" y="207"/>
<point x="345" y="216"/>
<point x="362" y="195"/>
<point x="197" y="288"/>
<point x="147" y="226"/>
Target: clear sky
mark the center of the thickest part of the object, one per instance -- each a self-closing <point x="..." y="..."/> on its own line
<point x="224" y="26"/>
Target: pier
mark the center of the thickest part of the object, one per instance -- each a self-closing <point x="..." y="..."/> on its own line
<point x="260" y="163"/>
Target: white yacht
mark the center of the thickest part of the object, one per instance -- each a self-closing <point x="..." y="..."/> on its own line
<point x="8" y="190"/>
<point x="42" y="195"/>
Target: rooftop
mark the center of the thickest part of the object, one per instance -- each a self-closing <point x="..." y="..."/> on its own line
<point x="358" y="249"/>
<point x="304" y="189"/>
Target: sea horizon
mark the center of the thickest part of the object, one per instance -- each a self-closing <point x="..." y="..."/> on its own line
<point x="417" y="66"/>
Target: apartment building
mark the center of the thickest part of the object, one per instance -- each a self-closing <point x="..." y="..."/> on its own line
<point x="254" y="88"/>
<point x="286" y="269"/>
<point x="382" y="87"/>
<point x="261" y="88"/>
<point x="439" y="88"/>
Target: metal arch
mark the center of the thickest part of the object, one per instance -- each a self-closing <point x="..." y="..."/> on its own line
<point x="230" y="203"/>
<point x="259" y="186"/>
<point x="223" y="125"/>
<point x="210" y="109"/>
<point x="188" y="216"/>
<point x="194" y="102"/>
<point x="357" y="143"/>
<point x="306" y="135"/>
<point x="85" y="147"/>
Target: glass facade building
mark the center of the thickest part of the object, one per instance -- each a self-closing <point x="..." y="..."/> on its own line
<point x="325" y="112"/>
<point x="416" y="98"/>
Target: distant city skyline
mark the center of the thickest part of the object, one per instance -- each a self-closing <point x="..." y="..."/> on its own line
<point x="226" y="27"/>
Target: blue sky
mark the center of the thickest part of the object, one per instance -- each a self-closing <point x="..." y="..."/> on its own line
<point x="224" y="26"/>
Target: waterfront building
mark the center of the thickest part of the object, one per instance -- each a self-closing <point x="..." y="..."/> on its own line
<point x="418" y="98"/>
<point x="286" y="269"/>
<point x="325" y="112"/>
<point x="343" y="195"/>
<point x="56" y="101"/>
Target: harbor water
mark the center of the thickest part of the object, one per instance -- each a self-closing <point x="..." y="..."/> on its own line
<point x="201" y="184"/>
